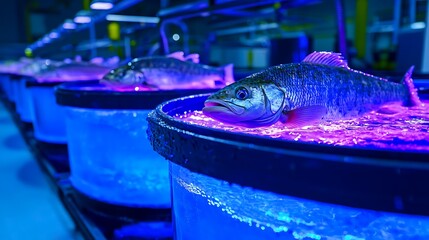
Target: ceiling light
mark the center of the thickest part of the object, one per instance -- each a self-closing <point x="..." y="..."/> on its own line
<point x="69" y="24"/>
<point x="83" y="16"/>
<point x="128" y="18"/>
<point x="101" y="4"/>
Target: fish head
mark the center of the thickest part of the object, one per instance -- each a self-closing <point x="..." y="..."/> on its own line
<point x="124" y="75"/>
<point x="247" y="103"/>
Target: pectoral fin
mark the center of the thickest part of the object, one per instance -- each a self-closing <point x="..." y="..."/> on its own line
<point x="303" y="116"/>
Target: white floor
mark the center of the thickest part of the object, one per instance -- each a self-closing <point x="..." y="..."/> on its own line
<point x="29" y="207"/>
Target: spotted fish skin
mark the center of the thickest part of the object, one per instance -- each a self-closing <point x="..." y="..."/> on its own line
<point x="72" y="71"/>
<point x="169" y="73"/>
<point x="344" y="93"/>
<point x="321" y="88"/>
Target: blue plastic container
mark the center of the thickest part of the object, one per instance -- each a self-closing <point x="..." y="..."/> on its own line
<point x="25" y="101"/>
<point x="3" y="78"/>
<point x="112" y="143"/>
<point x="13" y="86"/>
<point x="16" y="85"/>
<point x="111" y="160"/>
<point x="22" y="98"/>
<point x="228" y="185"/>
<point x="48" y="116"/>
<point x="8" y="87"/>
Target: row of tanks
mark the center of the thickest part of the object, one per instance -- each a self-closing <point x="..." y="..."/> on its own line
<point x="93" y="114"/>
<point x="309" y="150"/>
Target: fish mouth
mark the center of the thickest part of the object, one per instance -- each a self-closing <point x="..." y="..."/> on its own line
<point x="214" y="106"/>
<point x="223" y="111"/>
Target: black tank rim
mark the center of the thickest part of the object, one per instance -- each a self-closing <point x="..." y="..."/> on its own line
<point x="95" y="95"/>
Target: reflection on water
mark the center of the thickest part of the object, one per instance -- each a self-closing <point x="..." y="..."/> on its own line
<point x="398" y="128"/>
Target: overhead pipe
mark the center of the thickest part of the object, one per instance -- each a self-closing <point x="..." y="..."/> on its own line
<point x="425" y="63"/>
<point x="164" y="38"/>
<point x="341" y="25"/>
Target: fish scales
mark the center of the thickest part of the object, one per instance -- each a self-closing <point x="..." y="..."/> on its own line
<point x="171" y="72"/>
<point x="345" y="93"/>
<point x="181" y="70"/>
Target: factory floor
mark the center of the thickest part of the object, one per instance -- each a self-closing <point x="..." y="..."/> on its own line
<point x="29" y="206"/>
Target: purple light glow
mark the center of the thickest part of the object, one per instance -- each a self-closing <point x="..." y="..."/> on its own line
<point x="406" y="130"/>
<point x="142" y="88"/>
<point x="103" y="87"/>
<point x="101" y="5"/>
<point x="128" y="88"/>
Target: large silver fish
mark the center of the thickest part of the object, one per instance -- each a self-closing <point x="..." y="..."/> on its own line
<point x="170" y="72"/>
<point x="322" y="87"/>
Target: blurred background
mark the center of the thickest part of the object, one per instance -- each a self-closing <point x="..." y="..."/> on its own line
<point x="380" y="35"/>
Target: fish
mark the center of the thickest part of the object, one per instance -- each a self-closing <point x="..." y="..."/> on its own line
<point x="320" y="88"/>
<point x="169" y="72"/>
<point x="73" y="71"/>
<point x="37" y="66"/>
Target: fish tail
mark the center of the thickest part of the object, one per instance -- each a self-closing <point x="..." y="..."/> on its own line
<point x="413" y="98"/>
<point x="228" y="74"/>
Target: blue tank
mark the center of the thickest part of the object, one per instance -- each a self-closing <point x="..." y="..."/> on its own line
<point x="49" y="118"/>
<point x="111" y="159"/>
<point x="25" y="104"/>
<point x="231" y="184"/>
<point x="105" y="152"/>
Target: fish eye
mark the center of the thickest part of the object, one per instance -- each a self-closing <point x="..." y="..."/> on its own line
<point x="241" y="93"/>
<point x="123" y="73"/>
<point x="139" y="76"/>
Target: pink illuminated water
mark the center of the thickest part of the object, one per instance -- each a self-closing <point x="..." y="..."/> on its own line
<point x="405" y="129"/>
<point x="143" y="88"/>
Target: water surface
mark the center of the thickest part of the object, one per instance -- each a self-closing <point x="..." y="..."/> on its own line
<point x="394" y="127"/>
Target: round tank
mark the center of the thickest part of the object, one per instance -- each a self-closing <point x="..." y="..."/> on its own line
<point x="22" y="98"/>
<point x="48" y="116"/>
<point x="233" y="184"/>
<point x="4" y="84"/>
<point x="12" y="87"/>
<point x="111" y="160"/>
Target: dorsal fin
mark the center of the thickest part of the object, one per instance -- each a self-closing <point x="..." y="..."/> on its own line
<point x="177" y="55"/>
<point x="335" y="60"/>
<point x="327" y="58"/>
